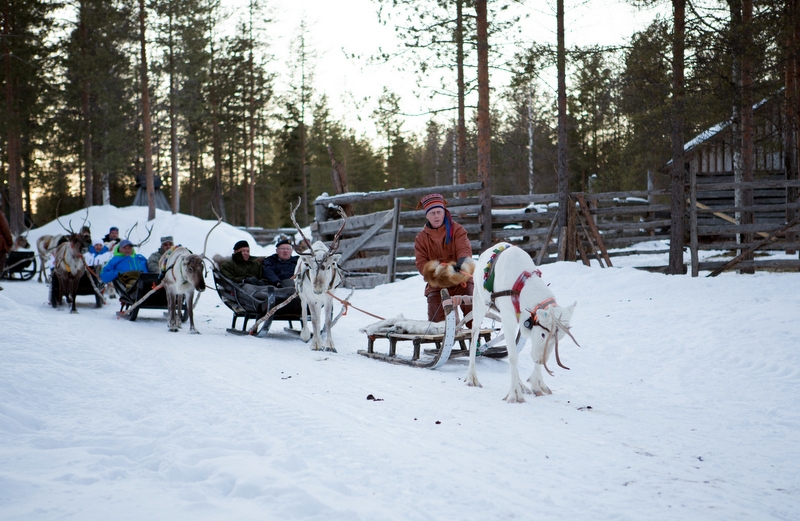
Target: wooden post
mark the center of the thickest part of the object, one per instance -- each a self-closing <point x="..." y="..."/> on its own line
<point x="693" y="220"/>
<point x="391" y="269"/>
<point x="651" y="199"/>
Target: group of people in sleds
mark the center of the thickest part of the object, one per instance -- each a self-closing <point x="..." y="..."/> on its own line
<point x="259" y="276"/>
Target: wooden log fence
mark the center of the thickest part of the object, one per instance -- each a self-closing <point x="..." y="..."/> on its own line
<point x="379" y="246"/>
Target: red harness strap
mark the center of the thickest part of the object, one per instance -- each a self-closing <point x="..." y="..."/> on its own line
<point x="517" y="288"/>
<point x="546" y="303"/>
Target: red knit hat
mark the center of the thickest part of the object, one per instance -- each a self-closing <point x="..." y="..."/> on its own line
<point x="431" y="201"/>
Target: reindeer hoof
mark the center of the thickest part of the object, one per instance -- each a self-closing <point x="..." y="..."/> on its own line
<point x="194" y="332"/>
<point x="173" y="330"/>
<point x="331" y="349"/>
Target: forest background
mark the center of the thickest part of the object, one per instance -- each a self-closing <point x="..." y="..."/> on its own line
<point x="227" y="119"/>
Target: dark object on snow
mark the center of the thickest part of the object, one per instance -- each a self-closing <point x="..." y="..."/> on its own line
<point x="20" y="265"/>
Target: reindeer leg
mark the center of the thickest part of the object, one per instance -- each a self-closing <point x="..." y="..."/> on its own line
<point x="516" y="393"/>
<point x="189" y="307"/>
<point x="539" y="350"/>
<point x="305" y="332"/>
<point x="328" y="310"/>
<point x="73" y="291"/>
<point x="171" y="312"/>
<point x="316" y="341"/>
<point x="479" y="309"/>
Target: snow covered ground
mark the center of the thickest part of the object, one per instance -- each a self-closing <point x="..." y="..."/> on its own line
<point x="682" y="403"/>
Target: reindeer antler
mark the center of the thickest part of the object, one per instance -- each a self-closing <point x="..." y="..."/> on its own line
<point x="294" y="221"/>
<point x="335" y="242"/>
<point x="68" y="230"/>
<point x="205" y="244"/>
<point x="149" y="232"/>
<point x="130" y="230"/>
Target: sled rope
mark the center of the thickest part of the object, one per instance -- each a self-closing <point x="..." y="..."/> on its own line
<point x="139" y="302"/>
<point x="347" y="305"/>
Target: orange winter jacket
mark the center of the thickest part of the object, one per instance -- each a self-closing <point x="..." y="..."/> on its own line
<point x="429" y="245"/>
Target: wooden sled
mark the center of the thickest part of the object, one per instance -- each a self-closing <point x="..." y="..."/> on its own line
<point x="453" y="332"/>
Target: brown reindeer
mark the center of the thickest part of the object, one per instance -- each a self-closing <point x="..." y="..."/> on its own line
<point x="69" y="264"/>
<point x="69" y="268"/>
<point x="46" y="245"/>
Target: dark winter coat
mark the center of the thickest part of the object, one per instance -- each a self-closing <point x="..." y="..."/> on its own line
<point x="238" y="269"/>
<point x="274" y="269"/>
<point x="6" y="241"/>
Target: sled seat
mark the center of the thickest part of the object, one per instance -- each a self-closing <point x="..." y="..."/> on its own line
<point x="444" y="342"/>
<point x="249" y="307"/>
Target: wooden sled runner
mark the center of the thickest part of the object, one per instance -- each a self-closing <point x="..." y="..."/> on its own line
<point x="454" y="332"/>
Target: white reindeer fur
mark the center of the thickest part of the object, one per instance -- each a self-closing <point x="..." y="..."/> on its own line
<point x="45" y="246"/>
<point x="177" y="285"/>
<point x="508" y="267"/>
<point x="403" y="325"/>
<point x="315" y="275"/>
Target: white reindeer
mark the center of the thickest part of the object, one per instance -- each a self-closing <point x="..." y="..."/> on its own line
<point x="317" y="274"/>
<point x="527" y="306"/>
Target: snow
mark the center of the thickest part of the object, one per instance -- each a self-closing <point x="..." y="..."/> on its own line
<point x="681" y="403"/>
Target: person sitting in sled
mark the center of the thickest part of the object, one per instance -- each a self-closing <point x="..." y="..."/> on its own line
<point x="153" y="260"/>
<point x="126" y="265"/>
<point x="443" y="256"/>
<point x="278" y="269"/>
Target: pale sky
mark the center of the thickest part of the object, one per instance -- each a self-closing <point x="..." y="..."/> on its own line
<point x="344" y="27"/>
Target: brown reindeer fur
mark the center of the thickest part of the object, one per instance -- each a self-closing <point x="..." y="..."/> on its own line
<point x="441" y="275"/>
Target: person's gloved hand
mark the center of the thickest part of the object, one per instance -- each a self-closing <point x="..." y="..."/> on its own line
<point x="252" y="280"/>
<point x="459" y="262"/>
<point x="278" y="285"/>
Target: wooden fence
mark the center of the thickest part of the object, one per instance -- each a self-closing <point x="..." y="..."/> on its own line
<point x="379" y="246"/>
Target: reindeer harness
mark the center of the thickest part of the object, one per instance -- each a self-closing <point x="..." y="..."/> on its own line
<point x="516" y="289"/>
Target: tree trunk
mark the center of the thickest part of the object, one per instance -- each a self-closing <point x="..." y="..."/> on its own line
<point x="530" y="141"/>
<point x="748" y="155"/>
<point x="461" y="150"/>
<point x="790" y="112"/>
<point x="484" y="125"/>
<point x="218" y="201"/>
<point x="16" y="219"/>
<point x="87" y="125"/>
<point x="678" y="206"/>
<point x="563" y="169"/>
<point x="146" y="132"/>
<point x="173" y="125"/>
<point x="251" y="178"/>
<point x="339" y="179"/>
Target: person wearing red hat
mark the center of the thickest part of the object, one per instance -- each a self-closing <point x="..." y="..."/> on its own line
<point x="443" y="256"/>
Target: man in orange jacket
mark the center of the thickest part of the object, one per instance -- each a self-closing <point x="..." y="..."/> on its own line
<point x="443" y="256"/>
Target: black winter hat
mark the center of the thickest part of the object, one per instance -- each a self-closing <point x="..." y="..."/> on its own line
<point x="241" y="244"/>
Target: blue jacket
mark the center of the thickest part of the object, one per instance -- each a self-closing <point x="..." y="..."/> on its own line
<point x="121" y="264"/>
<point x="275" y="270"/>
